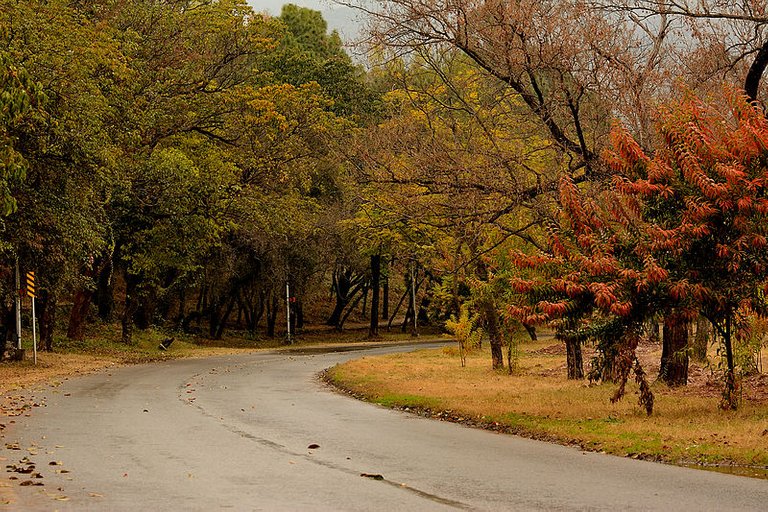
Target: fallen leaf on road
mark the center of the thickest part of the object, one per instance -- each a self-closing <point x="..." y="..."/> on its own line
<point x="95" y="495"/>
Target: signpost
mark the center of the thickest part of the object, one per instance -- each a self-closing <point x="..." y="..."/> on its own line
<point x="31" y="293"/>
<point x="288" y="312"/>
<point x="18" y="306"/>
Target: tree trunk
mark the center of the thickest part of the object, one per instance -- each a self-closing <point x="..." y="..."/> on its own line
<point x="755" y="73"/>
<point x="145" y="314"/>
<point x="299" y="314"/>
<point x="340" y="325"/>
<point x="531" y="330"/>
<point x="79" y="314"/>
<point x="131" y="306"/>
<point x="385" y="298"/>
<point x="373" y="329"/>
<point x="272" y="308"/>
<point x="573" y="358"/>
<point x="674" y="354"/>
<point x="345" y="287"/>
<point x="397" y="308"/>
<point x="654" y="333"/>
<point x="702" y="339"/>
<point x="491" y="321"/>
<point x="47" y="318"/>
<point x="423" y="315"/>
<point x="219" y="332"/>
<point x="730" y="398"/>
<point x="7" y="326"/>
<point x="105" y="298"/>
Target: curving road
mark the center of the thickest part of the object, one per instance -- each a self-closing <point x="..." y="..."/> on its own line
<point x="232" y="433"/>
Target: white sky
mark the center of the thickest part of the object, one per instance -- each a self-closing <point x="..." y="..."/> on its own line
<point x="339" y="18"/>
<point x="274" y="6"/>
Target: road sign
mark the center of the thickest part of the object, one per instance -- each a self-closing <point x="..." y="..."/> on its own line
<point x="31" y="284"/>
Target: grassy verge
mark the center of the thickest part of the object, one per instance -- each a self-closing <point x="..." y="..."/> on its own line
<point x="537" y="401"/>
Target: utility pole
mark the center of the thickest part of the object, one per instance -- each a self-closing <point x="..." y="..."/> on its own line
<point x="288" y="311"/>
<point x="18" y="305"/>
<point x="413" y="297"/>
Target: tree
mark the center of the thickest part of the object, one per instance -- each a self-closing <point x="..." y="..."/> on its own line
<point x="59" y="224"/>
<point x="460" y="174"/>
<point x="729" y="36"/>
<point x="706" y="210"/>
<point x="19" y="94"/>
<point x="308" y="53"/>
<point x="571" y="67"/>
<point x="681" y="230"/>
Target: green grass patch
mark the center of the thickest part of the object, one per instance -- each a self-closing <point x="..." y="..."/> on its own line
<point x="413" y="401"/>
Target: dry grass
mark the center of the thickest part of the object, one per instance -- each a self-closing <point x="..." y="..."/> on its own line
<point x="538" y="401"/>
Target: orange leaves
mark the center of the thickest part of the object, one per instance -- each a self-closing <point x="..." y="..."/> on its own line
<point x="663" y="239"/>
<point x="654" y="273"/>
<point x="758" y="241"/>
<point x="621" y="308"/>
<point x="601" y="265"/>
<point x="626" y="152"/>
<point x="530" y="261"/>
<point x="744" y="204"/>
<point x="552" y="309"/>
<point x="526" y="315"/>
<point x="723" y="251"/>
<point x="733" y="172"/>
<point x="519" y="285"/>
<point x="761" y="206"/>
<point x="680" y="290"/>
<point x="699" y="210"/>
<point x="604" y="295"/>
<point x="683" y="227"/>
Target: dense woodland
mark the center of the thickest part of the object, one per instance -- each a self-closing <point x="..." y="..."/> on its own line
<point x="492" y="166"/>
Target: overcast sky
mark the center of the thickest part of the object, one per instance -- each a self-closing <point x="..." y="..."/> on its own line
<point x="338" y="17"/>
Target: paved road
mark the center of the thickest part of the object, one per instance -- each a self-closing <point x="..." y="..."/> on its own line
<point x="232" y="433"/>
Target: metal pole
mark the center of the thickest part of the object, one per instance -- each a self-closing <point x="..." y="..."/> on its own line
<point x="18" y="305"/>
<point x="413" y="293"/>
<point x="34" y="332"/>
<point x="288" y="310"/>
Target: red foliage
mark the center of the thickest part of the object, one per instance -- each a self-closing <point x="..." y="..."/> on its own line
<point x="686" y="225"/>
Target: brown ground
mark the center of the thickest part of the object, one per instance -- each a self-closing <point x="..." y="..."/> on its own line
<point x="702" y="380"/>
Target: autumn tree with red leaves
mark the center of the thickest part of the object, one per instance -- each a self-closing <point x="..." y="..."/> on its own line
<point x="684" y="229"/>
<point x="590" y="285"/>
<point x="703" y="196"/>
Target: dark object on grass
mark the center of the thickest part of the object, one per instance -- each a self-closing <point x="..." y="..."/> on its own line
<point x="16" y="354"/>
<point x="165" y="344"/>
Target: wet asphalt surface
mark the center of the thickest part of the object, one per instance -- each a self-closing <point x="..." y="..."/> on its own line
<point x="261" y="432"/>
